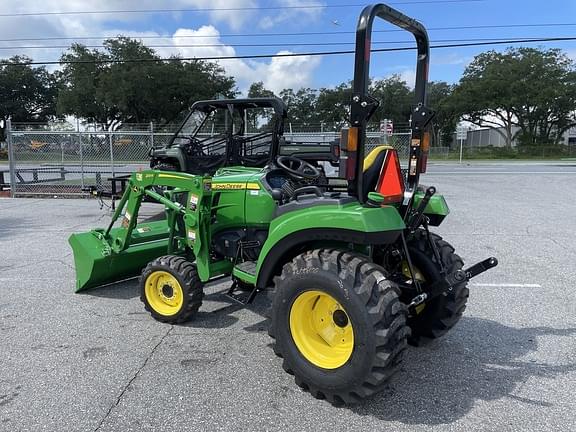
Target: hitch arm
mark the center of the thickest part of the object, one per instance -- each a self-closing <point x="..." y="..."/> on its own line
<point x="480" y="267"/>
<point x="448" y="282"/>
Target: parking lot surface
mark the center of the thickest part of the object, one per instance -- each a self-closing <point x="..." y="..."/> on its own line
<point x="97" y="362"/>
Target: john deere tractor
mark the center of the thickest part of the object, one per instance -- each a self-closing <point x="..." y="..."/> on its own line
<point x="353" y="271"/>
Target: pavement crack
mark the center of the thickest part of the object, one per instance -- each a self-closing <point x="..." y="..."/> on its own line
<point x="136" y="374"/>
<point x="560" y="245"/>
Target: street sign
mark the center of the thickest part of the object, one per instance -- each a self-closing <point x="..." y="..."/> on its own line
<point x="386" y="126"/>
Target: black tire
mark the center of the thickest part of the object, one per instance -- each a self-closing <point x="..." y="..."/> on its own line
<point x="185" y="273"/>
<point x="443" y="312"/>
<point x="377" y="317"/>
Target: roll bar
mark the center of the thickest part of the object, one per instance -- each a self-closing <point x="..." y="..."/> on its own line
<point x="363" y="105"/>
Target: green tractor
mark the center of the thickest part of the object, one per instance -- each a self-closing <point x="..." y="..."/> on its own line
<point x="353" y="272"/>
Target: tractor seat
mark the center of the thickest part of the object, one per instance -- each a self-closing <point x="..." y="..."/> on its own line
<point x="372" y="166"/>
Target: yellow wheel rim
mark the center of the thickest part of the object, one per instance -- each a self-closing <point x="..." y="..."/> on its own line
<point x="321" y="329"/>
<point x="164" y="293"/>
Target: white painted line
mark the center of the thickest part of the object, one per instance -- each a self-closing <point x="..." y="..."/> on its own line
<point x="500" y="172"/>
<point x="507" y="285"/>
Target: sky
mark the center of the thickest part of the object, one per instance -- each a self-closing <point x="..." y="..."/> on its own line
<point x="189" y="23"/>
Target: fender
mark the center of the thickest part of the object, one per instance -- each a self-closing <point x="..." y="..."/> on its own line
<point x="436" y="210"/>
<point x="350" y="223"/>
<point x="169" y="155"/>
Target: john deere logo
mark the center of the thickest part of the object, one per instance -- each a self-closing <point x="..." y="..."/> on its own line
<point x="217" y="186"/>
<point x="139" y="176"/>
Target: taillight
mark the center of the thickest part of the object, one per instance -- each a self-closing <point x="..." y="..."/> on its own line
<point x="390" y="184"/>
<point x="349" y="152"/>
<point x="425" y="150"/>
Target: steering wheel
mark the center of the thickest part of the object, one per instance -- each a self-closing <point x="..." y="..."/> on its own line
<point x="297" y="168"/>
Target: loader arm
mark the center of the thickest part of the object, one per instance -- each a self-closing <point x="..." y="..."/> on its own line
<point x="106" y="255"/>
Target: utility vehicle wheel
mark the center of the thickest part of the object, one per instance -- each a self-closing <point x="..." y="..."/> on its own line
<point x="442" y="313"/>
<point x="338" y="324"/>
<point x="171" y="289"/>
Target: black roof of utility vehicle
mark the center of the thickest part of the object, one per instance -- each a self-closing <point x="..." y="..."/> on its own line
<point x="208" y="105"/>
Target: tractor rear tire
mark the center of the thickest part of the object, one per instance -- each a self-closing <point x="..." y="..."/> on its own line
<point x="170" y="289"/>
<point x="338" y="324"/>
<point x="443" y="312"/>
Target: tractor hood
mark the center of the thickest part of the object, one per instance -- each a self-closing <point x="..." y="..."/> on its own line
<point x="235" y="177"/>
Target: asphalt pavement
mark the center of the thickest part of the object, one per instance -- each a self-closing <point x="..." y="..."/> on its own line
<point x="98" y="362"/>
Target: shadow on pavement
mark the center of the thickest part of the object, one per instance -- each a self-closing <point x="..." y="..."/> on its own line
<point x="124" y="290"/>
<point x="441" y="383"/>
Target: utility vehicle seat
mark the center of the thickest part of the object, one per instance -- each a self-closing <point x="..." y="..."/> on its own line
<point x="372" y="166"/>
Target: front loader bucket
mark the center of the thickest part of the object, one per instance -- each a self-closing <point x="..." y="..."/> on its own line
<point x="96" y="264"/>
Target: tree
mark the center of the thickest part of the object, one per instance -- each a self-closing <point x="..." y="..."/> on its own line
<point x="110" y="87"/>
<point x="301" y="106"/>
<point x="333" y="105"/>
<point x="257" y="89"/>
<point x="259" y="119"/>
<point x="80" y="83"/>
<point x="446" y="118"/>
<point x="27" y="94"/>
<point x="395" y="99"/>
<point x="528" y="88"/>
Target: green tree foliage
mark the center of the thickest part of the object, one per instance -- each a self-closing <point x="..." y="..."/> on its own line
<point x="80" y="84"/>
<point x="257" y="90"/>
<point x="533" y="89"/>
<point x="333" y="105"/>
<point x="446" y="118"/>
<point x="121" y="90"/>
<point x="395" y="99"/>
<point x="27" y="94"/>
<point x="301" y="106"/>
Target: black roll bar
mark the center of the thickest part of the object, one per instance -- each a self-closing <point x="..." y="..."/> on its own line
<point x="363" y="106"/>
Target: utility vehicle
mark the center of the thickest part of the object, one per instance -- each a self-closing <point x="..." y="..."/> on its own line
<point x="352" y="269"/>
<point x="234" y="132"/>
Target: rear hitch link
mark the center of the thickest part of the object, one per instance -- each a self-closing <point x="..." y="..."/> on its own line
<point x="415" y="218"/>
<point x="449" y="281"/>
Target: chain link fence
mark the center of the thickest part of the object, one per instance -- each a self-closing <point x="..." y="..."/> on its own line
<point x="68" y="162"/>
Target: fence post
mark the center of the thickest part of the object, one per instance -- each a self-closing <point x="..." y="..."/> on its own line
<point x="81" y="153"/>
<point x="11" y="161"/>
<point x="111" y="152"/>
<point x="152" y="134"/>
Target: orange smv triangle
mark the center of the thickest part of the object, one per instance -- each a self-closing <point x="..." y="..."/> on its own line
<point x="390" y="183"/>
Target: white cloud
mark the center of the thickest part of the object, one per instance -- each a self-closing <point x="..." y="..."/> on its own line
<point x="571" y="53"/>
<point x="277" y="74"/>
<point x="292" y="13"/>
<point x="450" y="59"/>
<point x="234" y="18"/>
<point x="288" y="72"/>
<point x="409" y="76"/>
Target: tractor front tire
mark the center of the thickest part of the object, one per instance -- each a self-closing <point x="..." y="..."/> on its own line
<point x="443" y="312"/>
<point x="170" y="289"/>
<point x="338" y="324"/>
